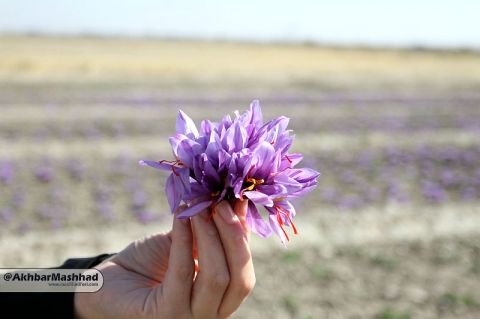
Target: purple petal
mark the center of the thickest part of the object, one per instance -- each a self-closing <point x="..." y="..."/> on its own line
<point x="274" y="190"/>
<point x="266" y="156"/>
<point x="177" y="184"/>
<point x="283" y="143"/>
<point x="262" y="158"/>
<point x="256" y="111"/>
<point x="158" y="165"/>
<point x="187" y="150"/>
<point x="185" y="125"/>
<point x="235" y="137"/>
<point x="232" y="177"/>
<point x="291" y="184"/>
<point x="237" y="187"/>
<point x="183" y="177"/>
<point x="223" y="159"/>
<point x="175" y="142"/>
<point x="206" y="127"/>
<point x="226" y="121"/>
<point x="303" y="175"/>
<point x="303" y="191"/>
<point x="290" y="160"/>
<point x="255" y="221"/>
<point x="195" y="209"/>
<point x="197" y="192"/>
<point x="211" y="175"/>
<point x="212" y="152"/>
<point x="174" y="192"/>
<point x="259" y="198"/>
<point x="280" y="122"/>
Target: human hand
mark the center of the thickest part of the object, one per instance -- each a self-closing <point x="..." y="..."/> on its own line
<point x="158" y="276"/>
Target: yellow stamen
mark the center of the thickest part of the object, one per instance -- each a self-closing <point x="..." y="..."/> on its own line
<point x="254" y="182"/>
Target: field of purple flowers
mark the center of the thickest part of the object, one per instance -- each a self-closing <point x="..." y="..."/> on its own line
<point x="68" y="158"/>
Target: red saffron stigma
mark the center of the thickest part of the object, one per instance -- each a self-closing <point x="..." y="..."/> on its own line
<point x="293" y="225"/>
<point x="288" y="159"/>
<point x="280" y="222"/>
<point x="173" y="163"/>
<point x="176" y="162"/>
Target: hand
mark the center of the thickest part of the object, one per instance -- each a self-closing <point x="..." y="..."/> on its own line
<point x="158" y="276"/>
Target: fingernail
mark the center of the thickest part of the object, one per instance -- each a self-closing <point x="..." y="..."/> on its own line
<point x="227" y="213"/>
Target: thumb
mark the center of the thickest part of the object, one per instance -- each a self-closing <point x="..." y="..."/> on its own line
<point x="147" y="256"/>
<point x="177" y="287"/>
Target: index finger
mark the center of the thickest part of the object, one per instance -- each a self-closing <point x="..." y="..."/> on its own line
<point x="238" y="255"/>
<point x="178" y="281"/>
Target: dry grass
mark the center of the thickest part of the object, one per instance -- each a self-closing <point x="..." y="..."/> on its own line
<point x="120" y="60"/>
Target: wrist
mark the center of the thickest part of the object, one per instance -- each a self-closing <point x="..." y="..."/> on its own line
<point x="79" y="305"/>
<point x="83" y="301"/>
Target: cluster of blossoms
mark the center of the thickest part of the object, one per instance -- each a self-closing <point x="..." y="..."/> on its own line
<point x="236" y="159"/>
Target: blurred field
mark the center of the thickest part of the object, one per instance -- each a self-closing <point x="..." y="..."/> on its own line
<point x="392" y="230"/>
<point x="146" y="60"/>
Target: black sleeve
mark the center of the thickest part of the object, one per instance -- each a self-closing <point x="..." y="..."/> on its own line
<point x="52" y="305"/>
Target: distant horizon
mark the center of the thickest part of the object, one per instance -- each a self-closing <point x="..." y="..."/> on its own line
<point x="159" y="37"/>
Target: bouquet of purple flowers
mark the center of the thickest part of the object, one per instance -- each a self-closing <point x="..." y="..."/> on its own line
<point x="233" y="159"/>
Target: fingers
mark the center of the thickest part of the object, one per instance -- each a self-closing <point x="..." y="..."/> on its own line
<point x="239" y="259"/>
<point x="178" y="283"/>
<point x="213" y="277"/>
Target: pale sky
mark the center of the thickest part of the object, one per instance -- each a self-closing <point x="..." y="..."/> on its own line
<point x="441" y="23"/>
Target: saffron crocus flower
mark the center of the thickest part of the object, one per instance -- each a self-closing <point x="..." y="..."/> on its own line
<point x="237" y="158"/>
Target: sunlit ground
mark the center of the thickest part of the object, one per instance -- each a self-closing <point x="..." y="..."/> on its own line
<point x="391" y="232"/>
